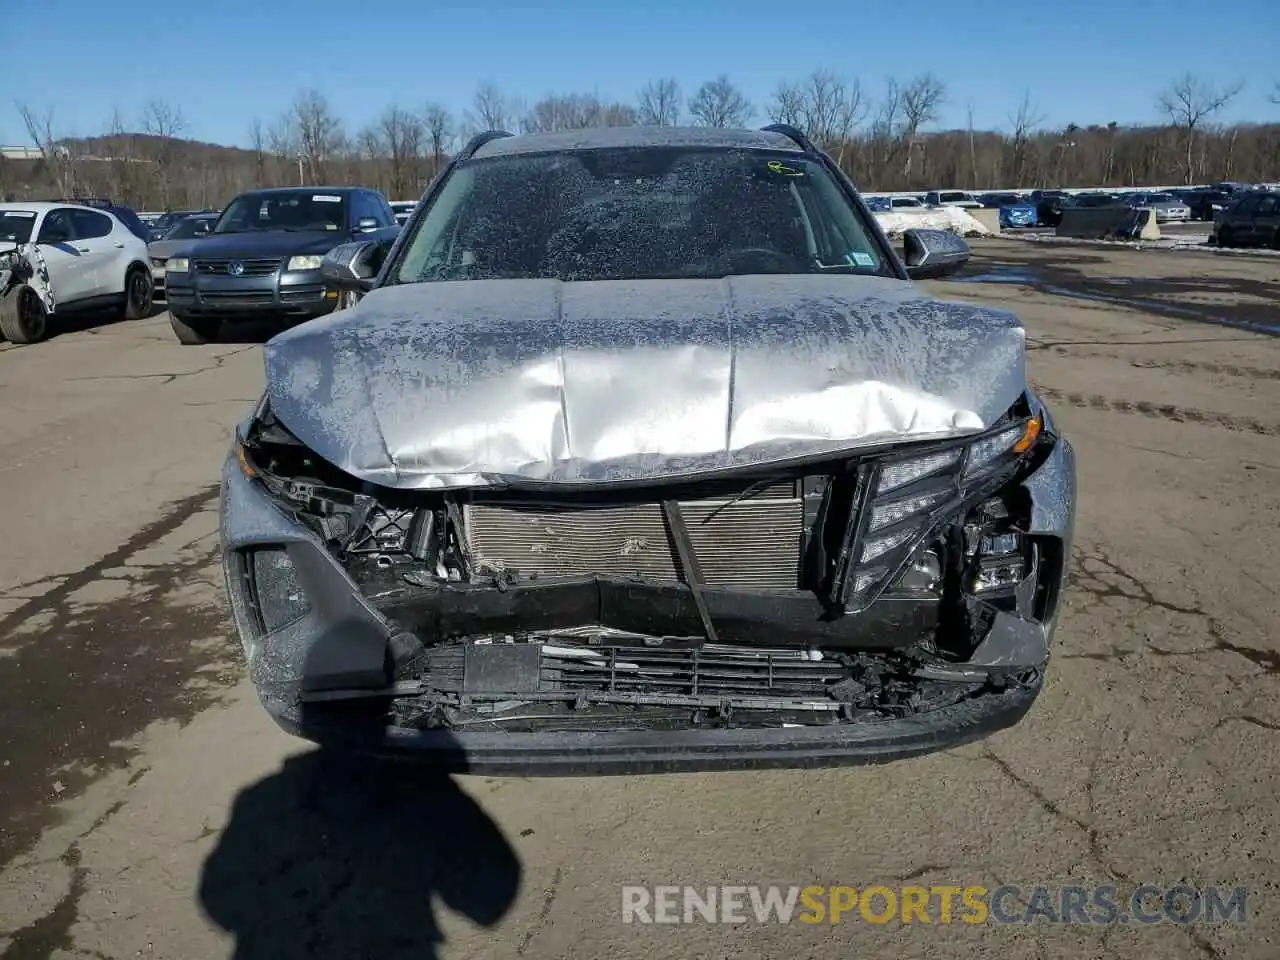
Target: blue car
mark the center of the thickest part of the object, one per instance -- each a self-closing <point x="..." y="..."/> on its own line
<point x="1018" y="215"/>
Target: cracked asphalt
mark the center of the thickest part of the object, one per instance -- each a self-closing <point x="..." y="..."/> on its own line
<point x="149" y="809"/>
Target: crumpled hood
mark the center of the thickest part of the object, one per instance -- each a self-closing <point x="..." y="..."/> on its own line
<point x="259" y="243"/>
<point x="472" y="383"/>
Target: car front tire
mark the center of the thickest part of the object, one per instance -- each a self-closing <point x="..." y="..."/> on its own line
<point x="193" y="330"/>
<point x="23" y="318"/>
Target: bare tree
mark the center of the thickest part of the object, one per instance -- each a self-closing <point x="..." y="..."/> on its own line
<point x="318" y="131"/>
<point x="258" y="143"/>
<point x="884" y="129"/>
<point x="718" y="103"/>
<point x="659" y="103"/>
<point x="57" y="157"/>
<point x="1189" y="103"/>
<point x="439" y="130"/>
<point x="921" y="100"/>
<point x="576" y="111"/>
<point x="824" y="105"/>
<point x="491" y="109"/>
<point x="164" y="122"/>
<point x="402" y="134"/>
<point x="1023" y="122"/>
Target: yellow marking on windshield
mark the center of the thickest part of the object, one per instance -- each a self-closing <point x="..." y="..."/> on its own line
<point x="777" y="166"/>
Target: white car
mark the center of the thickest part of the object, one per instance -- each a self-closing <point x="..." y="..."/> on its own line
<point x="58" y="258"/>
<point x="951" y="198"/>
<point x="403" y="209"/>
<point x="905" y="203"/>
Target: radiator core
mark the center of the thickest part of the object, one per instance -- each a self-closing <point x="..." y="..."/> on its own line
<point x="753" y="542"/>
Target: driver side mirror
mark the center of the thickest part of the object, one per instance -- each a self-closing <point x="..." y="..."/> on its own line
<point x="366" y="225"/>
<point x="931" y="254"/>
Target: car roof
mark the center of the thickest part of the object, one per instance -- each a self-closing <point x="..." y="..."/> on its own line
<point x="307" y="189"/>
<point x="39" y="206"/>
<point x="604" y="137"/>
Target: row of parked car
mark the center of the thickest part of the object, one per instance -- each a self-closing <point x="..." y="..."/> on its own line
<point x="259" y="258"/>
<point x="1043" y="208"/>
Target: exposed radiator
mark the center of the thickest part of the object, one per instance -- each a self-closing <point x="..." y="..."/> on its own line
<point x="753" y="542"/>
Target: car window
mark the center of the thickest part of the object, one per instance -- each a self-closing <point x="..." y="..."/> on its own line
<point x="56" y="222"/>
<point x="16" y="225"/>
<point x="90" y="225"/>
<point x="293" y="210"/>
<point x="187" y="229"/>
<point x="639" y="213"/>
<point x="1267" y="205"/>
<point x="952" y="196"/>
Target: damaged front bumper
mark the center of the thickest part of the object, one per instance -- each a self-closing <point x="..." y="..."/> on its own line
<point x="408" y="629"/>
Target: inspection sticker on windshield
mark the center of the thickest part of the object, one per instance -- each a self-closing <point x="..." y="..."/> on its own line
<point x="24" y="214"/>
<point x="860" y="259"/>
<point x="777" y="166"/>
<point x="326" y="198"/>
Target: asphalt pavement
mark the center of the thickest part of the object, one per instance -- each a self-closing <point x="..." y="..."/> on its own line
<point x="149" y="808"/>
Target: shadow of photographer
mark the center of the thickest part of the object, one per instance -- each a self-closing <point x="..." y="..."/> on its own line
<point x="342" y="856"/>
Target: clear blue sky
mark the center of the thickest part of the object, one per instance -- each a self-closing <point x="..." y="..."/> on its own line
<point x="225" y="62"/>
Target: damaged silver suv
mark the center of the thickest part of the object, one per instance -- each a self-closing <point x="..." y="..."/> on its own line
<point x="642" y="452"/>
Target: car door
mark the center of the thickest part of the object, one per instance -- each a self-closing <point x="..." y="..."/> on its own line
<point x="97" y="243"/>
<point x="71" y="272"/>
<point x="1266" y="221"/>
<point x="1239" y="220"/>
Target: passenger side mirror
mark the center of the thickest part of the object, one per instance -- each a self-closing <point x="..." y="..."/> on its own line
<point x="366" y="225"/>
<point x="354" y="266"/>
<point x="931" y="254"/>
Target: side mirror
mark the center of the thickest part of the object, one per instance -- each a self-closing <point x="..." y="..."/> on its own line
<point x="930" y="254"/>
<point x="354" y="266"/>
<point x="366" y="225"/>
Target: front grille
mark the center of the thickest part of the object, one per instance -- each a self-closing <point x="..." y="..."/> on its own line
<point x="710" y="669"/>
<point x="252" y="268"/>
<point x="236" y="296"/>
<point x="753" y="542"/>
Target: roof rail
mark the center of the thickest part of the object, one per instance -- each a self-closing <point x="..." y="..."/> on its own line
<point x="792" y="133"/>
<point x="478" y="141"/>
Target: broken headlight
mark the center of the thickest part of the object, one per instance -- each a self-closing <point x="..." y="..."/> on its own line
<point x="903" y="499"/>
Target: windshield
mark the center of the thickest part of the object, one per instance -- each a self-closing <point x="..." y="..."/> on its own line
<point x="15" y="225"/>
<point x="1161" y="198"/>
<point x="639" y="213"/>
<point x="186" y="229"/>
<point x="293" y="210"/>
<point x="948" y="196"/>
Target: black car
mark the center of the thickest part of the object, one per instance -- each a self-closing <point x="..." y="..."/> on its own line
<point x="166" y="221"/>
<point x="1048" y="206"/>
<point x="1206" y="204"/>
<point x="1252" y="221"/>
<point x="262" y="259"/>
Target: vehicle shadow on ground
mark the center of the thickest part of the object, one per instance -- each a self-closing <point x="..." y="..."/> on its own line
<point x="90" y="321"/>
<point x="338" y="856"/>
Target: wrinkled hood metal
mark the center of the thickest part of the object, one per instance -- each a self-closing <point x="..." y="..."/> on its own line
<point x="475" y="383"/>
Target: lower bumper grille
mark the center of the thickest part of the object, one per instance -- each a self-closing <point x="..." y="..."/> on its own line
<point x="711" y="670"/>
<point x="753" y="542"/>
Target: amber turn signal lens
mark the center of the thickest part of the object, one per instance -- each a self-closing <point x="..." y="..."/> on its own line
<point x="1028" y="439"/>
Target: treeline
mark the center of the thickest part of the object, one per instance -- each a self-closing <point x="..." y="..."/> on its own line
<point x="886" y="140"/>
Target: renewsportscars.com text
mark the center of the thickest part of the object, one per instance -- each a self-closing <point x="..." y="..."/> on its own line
<point x="937" y="904"/>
